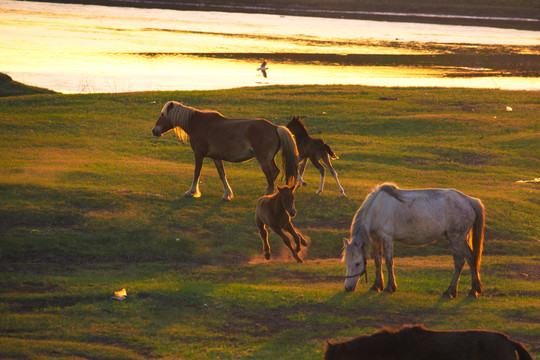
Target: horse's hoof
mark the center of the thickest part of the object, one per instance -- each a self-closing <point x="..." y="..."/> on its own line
<point x="375" y="288"/>
<point x="227" y="198"/>
<point x="448" y="295"/>
<point x="192" y="194"/>
<point x="304" y="183"/>
<point x="299" y="260"/>
<point x="473" y="294"/>
<point x="304" y="242"/>
<point x="267" y="256"/>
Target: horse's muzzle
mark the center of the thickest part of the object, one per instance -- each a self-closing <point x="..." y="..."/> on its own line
<point x="156" y="131"/>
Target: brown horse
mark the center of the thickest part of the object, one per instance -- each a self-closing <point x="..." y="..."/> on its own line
<point x="418" y="343"/>
<point x="314" y="150"/>
<point x="235" y="140"/>
<point x="276" y="211"/>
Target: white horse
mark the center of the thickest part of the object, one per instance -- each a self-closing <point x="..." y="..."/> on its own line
<point x="414" y="217"/>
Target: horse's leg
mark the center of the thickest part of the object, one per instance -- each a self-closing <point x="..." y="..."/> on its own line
<point x="194" y="191"/>
<point x="264" y="237"/>
<point x="459" y="261"/>
<point x="286" y="241"/>
<point x="271" y="171"/>
<point x="298" y="238"/>
<point x="458" y="242"/>
<point x="388" y="248"/>
<point x="476" y="286"/>
<point x="227" y="191"/>
<point x="321" y="169"/>
<point x="377" y="257"/>
<point x="301" y="170"/>
<point x="326" y="160"/>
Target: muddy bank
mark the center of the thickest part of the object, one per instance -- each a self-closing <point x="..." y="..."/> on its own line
<point x="469" y="65"/>
<point x="514" y="14"/>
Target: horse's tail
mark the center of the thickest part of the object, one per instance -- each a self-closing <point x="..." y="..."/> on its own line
<point x="289" y="155"/>
<point x="523" y="354"/>
<point x="478" y="231"/>
<point x="330" y="152"/>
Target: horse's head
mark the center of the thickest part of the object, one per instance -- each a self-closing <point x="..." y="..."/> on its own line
<point x="355" y="261"/>
<point x="163" y="124"/>
<point x="286" y="194"/>
<point x="297" y="127"/>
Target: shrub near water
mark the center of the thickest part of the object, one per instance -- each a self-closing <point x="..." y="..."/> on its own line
<point x="92" y="203"/>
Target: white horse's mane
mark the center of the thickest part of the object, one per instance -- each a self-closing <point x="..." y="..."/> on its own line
<point x="179" y="115"/>
<point x="359" y="233"/>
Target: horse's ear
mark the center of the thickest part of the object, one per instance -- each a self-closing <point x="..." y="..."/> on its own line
<point x="346" y="241"/>
<point x="280" y="188"/>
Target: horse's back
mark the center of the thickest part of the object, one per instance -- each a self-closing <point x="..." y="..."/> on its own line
<point x="418" y="217"/>
<point x="233" y="140"/>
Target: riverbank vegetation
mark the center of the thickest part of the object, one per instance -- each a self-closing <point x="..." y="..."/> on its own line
<point x="92" y="203"/>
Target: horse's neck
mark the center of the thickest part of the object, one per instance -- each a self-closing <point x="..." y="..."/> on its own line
<point x="275" y="204"/>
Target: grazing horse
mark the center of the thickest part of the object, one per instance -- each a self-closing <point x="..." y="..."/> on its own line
<point x="419" y="343"/>
<point x="235" y="140"/>
<point x="314" y="150"/>
<point x="415" y="217"/>
<point x="276" y="211"/>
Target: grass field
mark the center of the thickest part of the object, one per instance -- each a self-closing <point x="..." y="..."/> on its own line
<point x="91" y="202"/>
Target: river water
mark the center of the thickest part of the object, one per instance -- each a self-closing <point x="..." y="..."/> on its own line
<point x="85" y="49"/>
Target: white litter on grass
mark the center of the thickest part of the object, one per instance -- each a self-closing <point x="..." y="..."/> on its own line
<point x="508" y="108"/>
<point x="120" y="295"/>
<point x="535" y="180"/>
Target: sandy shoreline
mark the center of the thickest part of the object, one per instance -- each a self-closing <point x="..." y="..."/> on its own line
<point x="524" y="15"/>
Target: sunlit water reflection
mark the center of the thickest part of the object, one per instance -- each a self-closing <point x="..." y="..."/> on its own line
<point x="78" y="48"/>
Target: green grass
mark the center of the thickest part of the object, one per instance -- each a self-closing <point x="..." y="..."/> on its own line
<point x="8" y="87"/>
<point x="91" y="202"/>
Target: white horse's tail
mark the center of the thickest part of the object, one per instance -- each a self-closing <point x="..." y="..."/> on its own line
<point x="478" y="231"/>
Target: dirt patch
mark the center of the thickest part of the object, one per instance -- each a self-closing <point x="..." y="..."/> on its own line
<point x="463" y="157"/>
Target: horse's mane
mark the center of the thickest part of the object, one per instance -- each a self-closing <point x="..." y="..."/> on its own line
<point x="299" y="129"/>
<point x="359" y="233"/>
<point x="180" y="116"/>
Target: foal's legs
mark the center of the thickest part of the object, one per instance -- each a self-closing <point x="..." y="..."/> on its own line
<point x="377" y="257"/>
<point x="301" y="170"/>
<point x="264" y="237"/>
<point x="326" y="160"/>
<point x="315" y="161"/>
<point x="194" y="191"/>
<point x="286" y="241"/>
<point x="227" y="191"/>
<point x="296" y="236"/>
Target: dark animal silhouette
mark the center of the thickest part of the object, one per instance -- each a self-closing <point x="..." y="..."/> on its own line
<point x="419" y="343"/>
<point x="314" y="150"/>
